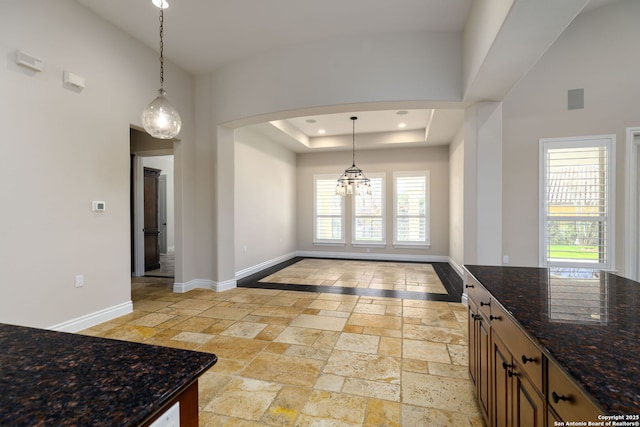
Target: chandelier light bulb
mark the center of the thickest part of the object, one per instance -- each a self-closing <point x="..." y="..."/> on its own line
<point x="160" y="119"/>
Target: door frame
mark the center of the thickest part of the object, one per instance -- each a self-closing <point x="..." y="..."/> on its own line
<point x="632" y="213"/>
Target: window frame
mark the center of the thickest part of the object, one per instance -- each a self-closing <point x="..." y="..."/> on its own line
<point x="427" y="211"/>
<point x="383" y="217"/>
<point x="327" y="242"/>
<point x="609" y="143"/>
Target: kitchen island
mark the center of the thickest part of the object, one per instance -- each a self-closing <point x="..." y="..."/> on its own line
<point x="533" y="328"/>
<point x="60" y="379"/>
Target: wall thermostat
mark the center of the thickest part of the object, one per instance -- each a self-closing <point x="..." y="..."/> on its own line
<point x="98" y="206"/>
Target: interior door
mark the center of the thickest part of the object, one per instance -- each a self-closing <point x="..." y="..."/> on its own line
<point x="162" y="213"/>
<point x="151" y="219"/>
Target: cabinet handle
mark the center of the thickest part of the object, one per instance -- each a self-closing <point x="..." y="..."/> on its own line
<point x="506" y="366"/>
<point x="482" y="304"/>
<point x="512" y="374"/>
<point x="476" y="317"/>
<point x="469" y="286"/>
<point x="557" y="398"/>
<point x="492" y="317"/>
<point x="526" y="359"/>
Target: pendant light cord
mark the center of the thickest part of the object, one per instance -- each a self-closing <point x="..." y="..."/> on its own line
<point x="161" y="45"/>
<point x="353" y="139"/>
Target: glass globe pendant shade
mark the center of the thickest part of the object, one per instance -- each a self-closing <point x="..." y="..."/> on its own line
<point x="160" y="119"/>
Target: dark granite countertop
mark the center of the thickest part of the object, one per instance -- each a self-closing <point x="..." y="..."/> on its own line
<point x="60" y="379"/>
<point x="589" y="323"/>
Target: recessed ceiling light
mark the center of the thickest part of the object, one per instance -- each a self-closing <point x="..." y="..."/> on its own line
<point x="322" y="131"/>
<point x="160" y="3"/>
<point x="402" y="125"/>
<point x="402" y="112"/>
<point x="311" y="120"/>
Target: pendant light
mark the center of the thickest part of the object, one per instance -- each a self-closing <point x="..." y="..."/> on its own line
<point x="160" y="119"/>
<point x="353" y="180"/>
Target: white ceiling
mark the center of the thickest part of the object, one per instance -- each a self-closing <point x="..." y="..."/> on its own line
<point x="202" y="35"/>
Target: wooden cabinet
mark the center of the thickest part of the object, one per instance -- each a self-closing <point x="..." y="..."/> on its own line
<point x="515" y="383"/>
<point x="479" y="346"/>
<point x="517" y="401"/>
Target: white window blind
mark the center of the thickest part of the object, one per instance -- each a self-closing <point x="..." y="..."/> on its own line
<point x="369" y="220"/>
<point x="577" y="194"/>
<point x="411" y="208"/>
<point x="328" y="212"/>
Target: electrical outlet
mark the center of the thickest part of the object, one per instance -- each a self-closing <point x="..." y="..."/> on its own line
<point x="79" y="280"/>
<point x="505" y="259"/>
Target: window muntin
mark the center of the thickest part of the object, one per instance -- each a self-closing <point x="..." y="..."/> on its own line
<point x="411" y="208"/>
<point x="577" y="202"/>
<point x="328" y="211"/>
<point x="369" y="214"/>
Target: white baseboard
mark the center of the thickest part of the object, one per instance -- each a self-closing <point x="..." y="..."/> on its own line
<point x="95" y="318"/>
<point x="204" y="284"/>
<point x="458" y="269"/>
<point x="373" y="257"/>
<point x="259" y="267"/>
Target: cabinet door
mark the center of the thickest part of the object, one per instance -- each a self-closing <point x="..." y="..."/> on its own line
<point x="528" y="406"/>
<point x="502" y="365"/>
<point x="473" y="343"/>
<point x="484" y="365"/>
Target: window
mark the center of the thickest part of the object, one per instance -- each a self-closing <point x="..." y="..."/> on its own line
<point x="368" y="214"/>
<point x="411" y="208"/>
<point x="328" y="211"/>
<point x="576" y="202"/>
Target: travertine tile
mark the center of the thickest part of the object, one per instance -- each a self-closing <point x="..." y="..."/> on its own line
<point x="368" y="388"/>
<point x="424" y="350"/>
<point x="285" y="408"/>
<point x="295" y="335"/>
<point x="152" y="319"/>
<point x="429" y="391"/>
<point x="434" y="333"/>
<point x="329" y="382"/>
<point x="244" y="329"/>
<point x="319" y="322"/>
<point x="244" y="398"/>
<point x="358" y="342"/>
<point x="300" y="371"/>
<point x="290" y="358"/>
<point x="240" y="349"/>
<point x="364" y="366"/>
<point x="344" y="408"/>
<point x="384" y="413"/>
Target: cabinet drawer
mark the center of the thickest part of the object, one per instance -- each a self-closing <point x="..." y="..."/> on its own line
<point x="479" y="295"/>
<point x="567" y="399"/>
<point x="526" y="354"/>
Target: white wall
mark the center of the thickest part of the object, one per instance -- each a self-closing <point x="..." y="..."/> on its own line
<point x="265" y="200"/>
<point x="165" y="164"/>
<point x="433" y="159"/>
<point x="597" y="52"/>
<point x="456" y="199"/>
<point x="61" y="149"/>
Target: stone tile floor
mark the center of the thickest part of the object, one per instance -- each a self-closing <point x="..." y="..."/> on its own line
<point x="290" y="358"/>
<point x="399" y="276"/>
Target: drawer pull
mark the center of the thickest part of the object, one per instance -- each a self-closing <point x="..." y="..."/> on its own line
<point x="557" y="398"/>
<point x="526" y="359"/>
<point x="492" y="317"/>
<point x="476" y="317"/>
<point x="483" y="304"/>
<point x="469" y="286"/>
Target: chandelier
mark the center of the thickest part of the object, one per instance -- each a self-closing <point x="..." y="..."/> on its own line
<point x="353" y="180"/>
<point x="160" y="119"/>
